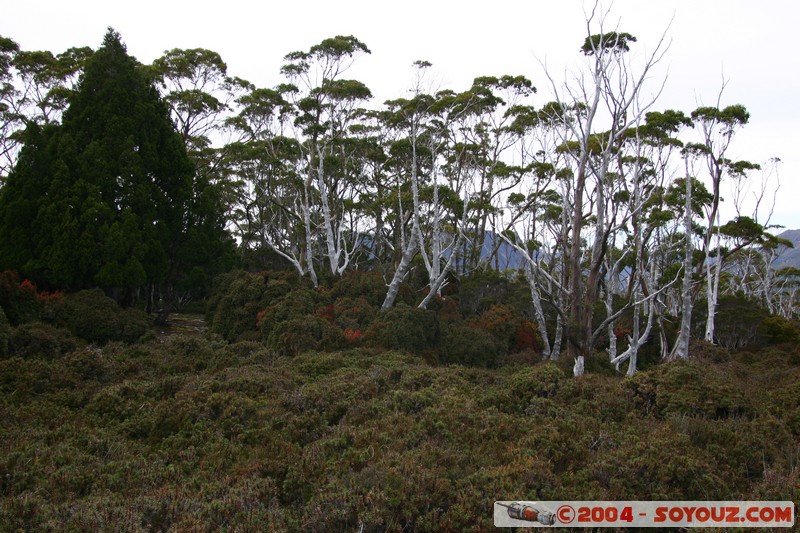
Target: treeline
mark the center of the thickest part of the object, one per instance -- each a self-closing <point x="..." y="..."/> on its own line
<point x="142" y="179"/>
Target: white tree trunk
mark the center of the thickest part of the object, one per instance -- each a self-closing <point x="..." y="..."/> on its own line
<point x="713" y="271"/>
<point x="681" y="348"/>
<point x="400" y="274"/>
<point x="309" y="236"/>
<point x="537" y="307"/>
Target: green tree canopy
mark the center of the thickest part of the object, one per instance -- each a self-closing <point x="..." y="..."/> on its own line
<point x="109" y="197"/>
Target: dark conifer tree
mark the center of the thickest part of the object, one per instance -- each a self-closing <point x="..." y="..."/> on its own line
<point x="109" y="198"/>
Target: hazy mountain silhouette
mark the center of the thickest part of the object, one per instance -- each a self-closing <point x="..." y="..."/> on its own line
<point x="789" y="256"/>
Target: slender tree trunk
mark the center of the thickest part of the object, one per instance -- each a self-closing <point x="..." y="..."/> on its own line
<point x="681" y="348"/>
<point x="577" y="302"/>
<point x="612" y="338"/>
<point x="537" y="307"/>
<point x="436" y="284"/>
<point x="400" y="273"/>
<point x="713" y="271"/>
<point x="557" y="338"/>
<point x="309" y="234"/>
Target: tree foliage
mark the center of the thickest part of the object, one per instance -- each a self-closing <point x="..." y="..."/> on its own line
<point x="109" y="197"/>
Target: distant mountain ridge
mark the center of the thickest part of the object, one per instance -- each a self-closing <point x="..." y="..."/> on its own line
<point x="789" y="256"/>
<point x="509" y="258"/>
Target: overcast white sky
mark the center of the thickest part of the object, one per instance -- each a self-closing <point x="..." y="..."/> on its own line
<point x="750" y="44"/>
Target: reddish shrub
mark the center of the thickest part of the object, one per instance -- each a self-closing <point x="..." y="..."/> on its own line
<point x="354" y="313"/>
<point x="527" y="337"/>
<point x="326" y="312"/>
<point x="50" y="297"/>
<point x="502" y="322"/>
<point x="352" y="336"/>
<point x="18" y="298"/>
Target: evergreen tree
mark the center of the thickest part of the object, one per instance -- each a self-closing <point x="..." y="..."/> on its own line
<point x="109" y="198"/>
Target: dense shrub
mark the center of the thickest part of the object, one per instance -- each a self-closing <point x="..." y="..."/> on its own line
<point x="527" y="337"/>
<point x="462" y="343"/>
<point x="93" y="316"/>
<point x="357" y="284"/>
<point x="294" y="304"/>
<point x="778" y="330"/>
<point x="502" y="323"/>
<point x="19" y="298"/>
<point x="446" y="309"/>
<point x="194" y="435"/>
<point x="237" y="297"/>
<point x="525" y="384"/>
<point x="235" y="300"/>
<point x="304" y="334"/>
<point x="37" y="339"/>
<point x="688" y="388"/>
<point x="5" y="333"/>
<point x="483" y="289"/>
<point x="355" y="314"/>
<point x="702" y="350"/>
<point x="404" y="328"/>
<point x="737" y="321"/>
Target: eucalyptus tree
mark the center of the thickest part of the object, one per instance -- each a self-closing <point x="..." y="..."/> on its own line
<point x="413" y="156"/>
<point x="9" y="119"/>
<point x="717" y="127"/>
<point x="35" y="89"/>
<point x="608" y="95"/>
<point x="487" y="137"/>
<point x="196" y="86"/>
<point x="326" y="107"/>
<point x="376" y="191"/>
<point x="262" y="171"/>
<point x="47" y="81"/>
<point x="201" y="97"/>
<point x="446" y="155"/>
<point x="785" y="291"/>
<point x="536" y="215"/>
<point x="752" y="249"/>
<point x="645" y="169"/>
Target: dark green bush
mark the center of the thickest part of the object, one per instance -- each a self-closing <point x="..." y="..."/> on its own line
<point x="525" y="384"/>
<point x="18" y="298"/>
<point x="737" y="321"/>
<point x="37" y="339"/>
<point x="692" y="388"/>
<point x="446" y="309"/>
<point x="464" y="344"/>
<point x="404" y="328"/>
<point x="778" y="330"/>
<point x="305" y="334"/>
<point x="93" y="316"/>
<point x="294" y="304"/>
<point x="238" y="297"/>
<point x="483" y="289"/>
<point x="502" y="322"/>
<point x="5" y="334"/>
<point x="358" y="284"/>
<point x="235" y="300"/>
<point x="703" y="350"/>
<point x="163" y="436"/>
<point x="354" y="313"/>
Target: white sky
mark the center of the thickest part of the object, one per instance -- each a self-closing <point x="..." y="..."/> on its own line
<point x="752" y="44"/>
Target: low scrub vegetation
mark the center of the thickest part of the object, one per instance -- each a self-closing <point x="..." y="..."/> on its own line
<point x="192" y="434"/>
<point x="417" y="423"/>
